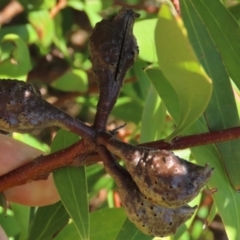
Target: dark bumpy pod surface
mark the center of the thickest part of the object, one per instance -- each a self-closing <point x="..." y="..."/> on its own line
<point x="113" y="50"/>
<point x="149" y="217"/>
<point x="113" y="47"/>
<point x="161" y="176"/>
<point x="23" y="110"/>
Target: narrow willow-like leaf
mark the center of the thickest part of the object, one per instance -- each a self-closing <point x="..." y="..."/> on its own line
<point x="21" y="215"/>
<point x="182" y="69"/>
<point x="222" y="111"/>
<point x="155" y="111"/>
<point x="72" y="187"/>
<point x="48" y="221"/>
<point x="224" y="30"/>
<point x="130" y="232"/>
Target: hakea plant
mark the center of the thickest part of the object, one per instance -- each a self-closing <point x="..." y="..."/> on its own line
<point x="156" y="185"/>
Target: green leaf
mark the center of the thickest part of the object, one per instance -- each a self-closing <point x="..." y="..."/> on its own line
<point x="92" y="9"/>
<point x="227" y="200"/>
<point x="15" y="65"/>
<point x="155" y="111"/>
<point x="224" y="30"/>
<point x="106" y="223"/>
<point x="124" y="110"/>
<point x="72" y="81"/>
<point x="130" y="232"/>
<point x="25" y="31"/>
<point x="72" y="186"/>
<point x="58" y="38"/>
<point x="221" y="112"/>
<point x="47" y="221"/>
<point x="8" y="223"/>
<point x="144" y="33"/>
<point x="21" y="215"/>
<point x="68" y="232"/>
<point x="44" y="26"/>
<point x="182" y="69"/>
<point x="142" y="79"/>
<point x="97" y="180"/>
<point x="32" y="141"/>
<point x="165" y="91"/>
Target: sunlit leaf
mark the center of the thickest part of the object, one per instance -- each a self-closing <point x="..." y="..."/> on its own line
<point x="144" y="32"/>
<point x="76" y="4"/>
<point x="182" y="69"/>
<point x="32" y="141"/>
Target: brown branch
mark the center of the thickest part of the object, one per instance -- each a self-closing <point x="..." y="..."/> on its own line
<point x="83" y="153"/>
<point x="42" y="166"/>
<point x="196" y="139"/>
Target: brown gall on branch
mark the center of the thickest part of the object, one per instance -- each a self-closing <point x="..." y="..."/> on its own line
<point x="150" y="218"/>
<point x="160" y="175"/>
<point x="23" y="110"/>
<point x="113" y="50"/>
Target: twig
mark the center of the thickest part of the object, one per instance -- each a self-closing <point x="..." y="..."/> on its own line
<point x="81" y="153"/>
<point x="196" y="139"/>
<point x="42" y="166"/>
